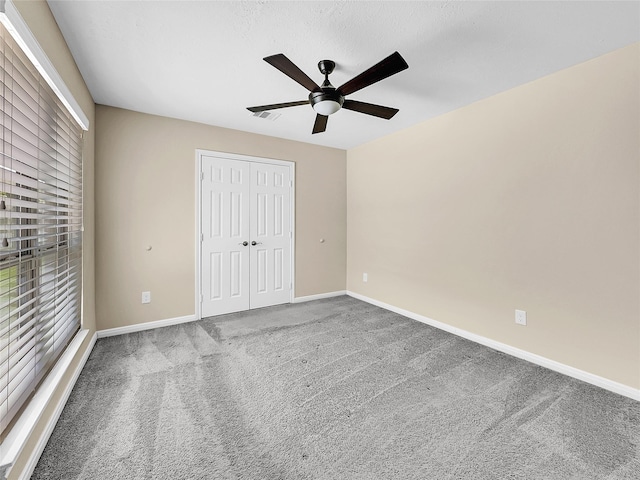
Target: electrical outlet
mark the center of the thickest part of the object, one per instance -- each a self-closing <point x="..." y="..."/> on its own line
<point x="146" y="297"/>
<point x="365" y="277"/>
<point x="521" y="317"/>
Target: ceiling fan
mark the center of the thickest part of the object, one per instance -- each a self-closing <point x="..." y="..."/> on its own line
<point x="326" y="99"/>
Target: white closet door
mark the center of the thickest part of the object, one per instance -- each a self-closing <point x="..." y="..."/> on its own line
<point x="225" y="230"/>
<point x="270" y="235"/>
<point x="246" y="235"/>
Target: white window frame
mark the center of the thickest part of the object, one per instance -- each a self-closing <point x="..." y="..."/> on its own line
<point x="17" y="437"/>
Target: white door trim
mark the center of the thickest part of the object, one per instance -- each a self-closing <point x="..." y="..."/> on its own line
<point x="245" y="158"/>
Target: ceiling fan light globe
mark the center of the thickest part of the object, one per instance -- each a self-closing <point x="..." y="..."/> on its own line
<point x="326" y="107"/>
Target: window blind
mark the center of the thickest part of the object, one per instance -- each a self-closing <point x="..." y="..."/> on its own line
<point x="40" y="227"/>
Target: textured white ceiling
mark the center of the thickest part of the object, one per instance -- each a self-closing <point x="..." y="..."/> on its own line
<point x="202" y="60"/>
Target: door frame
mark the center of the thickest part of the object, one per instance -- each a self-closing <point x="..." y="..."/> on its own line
<point x="292" y="239"/>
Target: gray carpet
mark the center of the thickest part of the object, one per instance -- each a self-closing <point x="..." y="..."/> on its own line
<point x="332" y="389"/>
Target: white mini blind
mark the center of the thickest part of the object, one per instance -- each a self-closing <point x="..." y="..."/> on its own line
<point x="40" y="227"/>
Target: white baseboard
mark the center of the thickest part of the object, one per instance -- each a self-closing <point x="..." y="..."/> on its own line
<point x="319" y="296"/>
<point x="587" y="377"/>
<point x="20" y="433"/>
<point x="139" y="327"/>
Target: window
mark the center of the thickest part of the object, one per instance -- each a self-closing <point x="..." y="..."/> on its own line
<point x="40" y="227"/>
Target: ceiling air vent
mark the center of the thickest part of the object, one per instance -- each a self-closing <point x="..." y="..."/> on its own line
<point x="267" y="115"/>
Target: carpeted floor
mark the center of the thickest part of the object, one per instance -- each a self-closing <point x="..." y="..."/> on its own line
<point x="332" y="389"/>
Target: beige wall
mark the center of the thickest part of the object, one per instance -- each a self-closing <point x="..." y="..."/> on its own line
<point x="526" y="200"/>
<point x="43" y="26"/>
<point x="146" y="195"/>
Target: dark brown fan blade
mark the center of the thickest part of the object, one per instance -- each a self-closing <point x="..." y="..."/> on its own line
<point x="321" y="124"/>
<point x="275" y="106"/>
<point x="287" y="67"/>
<point x="370" y="109"/>
<point x="391" y="65"/>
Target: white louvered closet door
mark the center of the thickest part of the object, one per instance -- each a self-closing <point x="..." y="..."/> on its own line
<point x="246" y="235"/>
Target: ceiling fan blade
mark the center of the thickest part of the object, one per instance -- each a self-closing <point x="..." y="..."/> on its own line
<point x="287" y="67"/>
<point x="321" y="124"/>
<point x="275" y="106"/>
<point x="370" y="109"/>
<point x="391" y="65"/>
